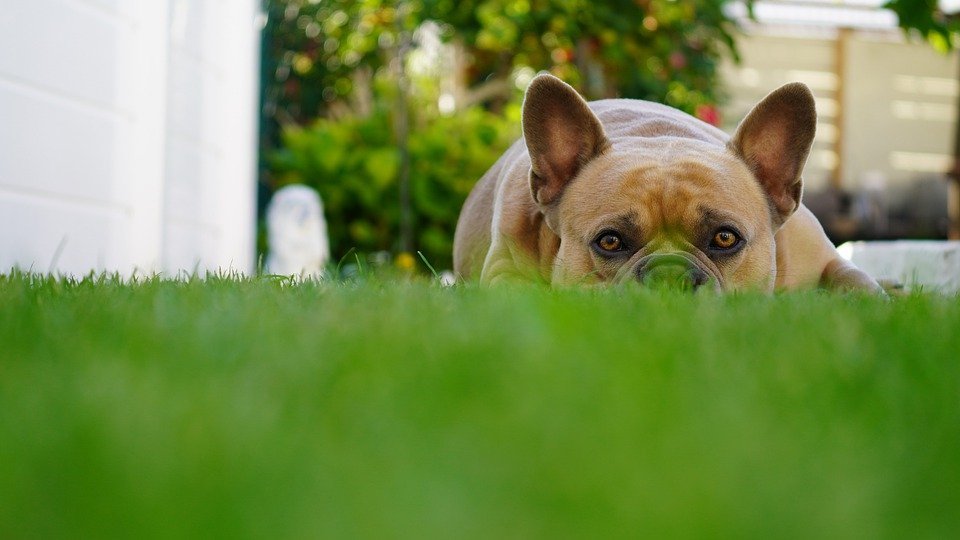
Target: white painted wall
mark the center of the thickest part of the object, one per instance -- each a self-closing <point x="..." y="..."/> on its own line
<point x="127" y="135"/>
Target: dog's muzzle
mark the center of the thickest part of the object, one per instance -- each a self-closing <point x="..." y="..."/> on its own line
<point x="671" y="271"/>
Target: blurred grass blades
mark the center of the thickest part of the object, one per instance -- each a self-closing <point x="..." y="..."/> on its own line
<point x="245" y="408"/>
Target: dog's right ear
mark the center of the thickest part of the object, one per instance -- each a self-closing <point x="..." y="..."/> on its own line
<point x="562" y="134"/>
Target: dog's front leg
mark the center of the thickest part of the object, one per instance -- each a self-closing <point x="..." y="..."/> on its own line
<point x="843" y="275"/>
<point x="509" y="263"/>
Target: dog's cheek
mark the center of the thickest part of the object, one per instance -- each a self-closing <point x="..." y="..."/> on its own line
<point x="573" y="265"/>
<point x="753" y="271"/>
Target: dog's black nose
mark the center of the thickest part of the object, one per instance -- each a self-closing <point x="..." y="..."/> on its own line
<point x="671" y="271"/>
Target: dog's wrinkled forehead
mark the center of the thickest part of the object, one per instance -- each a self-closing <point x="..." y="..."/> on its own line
<point x="667" y="187"/>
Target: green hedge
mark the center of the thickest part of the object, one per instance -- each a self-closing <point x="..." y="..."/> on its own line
<point x="353" y="164"/>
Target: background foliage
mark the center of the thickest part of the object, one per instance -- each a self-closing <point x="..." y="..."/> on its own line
<point x="339" y="75"/>
<point x="353" y="163"/>
<point x="925" y="18"/>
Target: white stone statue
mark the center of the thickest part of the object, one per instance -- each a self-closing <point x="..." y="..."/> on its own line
<point x="297" y="233"/>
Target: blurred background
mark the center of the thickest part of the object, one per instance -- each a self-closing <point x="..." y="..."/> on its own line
<point x="151" y="135"/>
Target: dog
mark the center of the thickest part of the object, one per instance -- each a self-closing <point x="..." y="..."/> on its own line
<point x="628" y="191"/>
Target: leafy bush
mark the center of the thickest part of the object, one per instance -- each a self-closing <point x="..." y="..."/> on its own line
<point x="663" y="50"/>
<point x="353" y="163"/>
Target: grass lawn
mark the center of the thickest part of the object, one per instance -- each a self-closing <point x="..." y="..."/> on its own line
<point x="246" y="409"/>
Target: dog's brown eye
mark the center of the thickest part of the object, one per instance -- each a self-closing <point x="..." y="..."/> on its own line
<point x="610" y="242"/>
<point x="724" y="239"/>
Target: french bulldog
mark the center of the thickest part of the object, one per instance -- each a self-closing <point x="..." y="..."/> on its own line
<point x="627" y="191"/>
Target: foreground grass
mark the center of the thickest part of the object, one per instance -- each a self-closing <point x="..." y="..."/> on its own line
<point x="250" y="409"/>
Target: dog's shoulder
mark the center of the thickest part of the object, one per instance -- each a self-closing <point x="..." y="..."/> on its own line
<point x="638" y="118"/>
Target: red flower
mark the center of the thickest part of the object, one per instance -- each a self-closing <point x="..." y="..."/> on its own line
<point x="708" y="113"/>
<point x="677" y="60"/>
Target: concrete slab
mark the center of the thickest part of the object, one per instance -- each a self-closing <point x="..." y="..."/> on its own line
<point x="932" y="265"/>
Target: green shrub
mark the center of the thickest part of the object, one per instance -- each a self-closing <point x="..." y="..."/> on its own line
<point x="354" y="164"/>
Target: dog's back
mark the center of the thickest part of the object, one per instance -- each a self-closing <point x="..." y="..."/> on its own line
<point x="628" y="118"/>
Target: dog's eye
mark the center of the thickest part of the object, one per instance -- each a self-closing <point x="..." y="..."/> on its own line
<point x="609" y="241"/>
<point x="725" y="239"/>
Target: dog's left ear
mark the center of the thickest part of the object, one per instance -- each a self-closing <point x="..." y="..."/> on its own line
<point x="774" y="141"/>
<point x="562" y="134"/>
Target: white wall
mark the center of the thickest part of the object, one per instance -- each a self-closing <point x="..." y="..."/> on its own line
<point x="127" y="134"/>
<point x="209" y="204"/>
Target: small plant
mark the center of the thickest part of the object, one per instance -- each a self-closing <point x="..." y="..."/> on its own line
<point x="353" y="163"/>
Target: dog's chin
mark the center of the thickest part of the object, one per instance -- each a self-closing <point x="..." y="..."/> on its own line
<point x="676" y="270"/>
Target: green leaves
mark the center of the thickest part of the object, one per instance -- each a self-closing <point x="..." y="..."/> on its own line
<point x="354" y="164"/>
<point x="382" y="165"/>
<point x="926" y="18"/>
<point x="607" y="48"/>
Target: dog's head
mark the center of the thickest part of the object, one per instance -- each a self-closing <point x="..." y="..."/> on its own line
<point x="668" y="209"/>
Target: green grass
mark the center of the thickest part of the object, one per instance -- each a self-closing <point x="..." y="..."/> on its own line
<point x="244" y="409"/>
